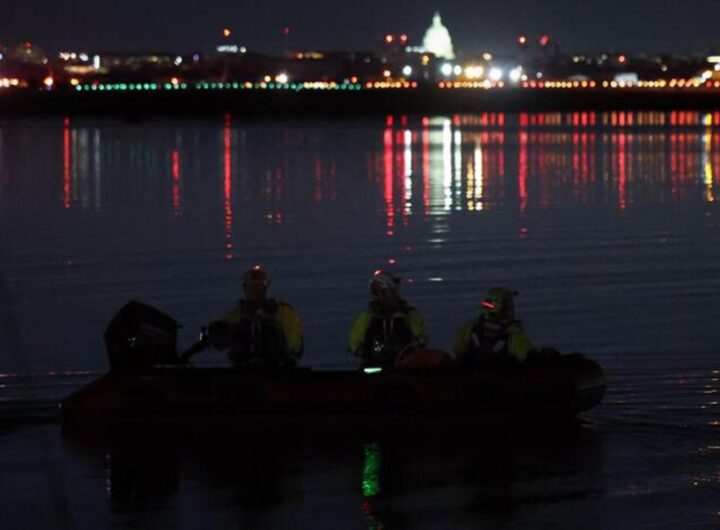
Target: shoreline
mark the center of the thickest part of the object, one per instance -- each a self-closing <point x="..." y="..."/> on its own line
<point x="431" y="100"/>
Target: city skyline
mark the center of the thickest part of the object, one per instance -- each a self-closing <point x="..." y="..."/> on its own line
<point x="615" y="25"/>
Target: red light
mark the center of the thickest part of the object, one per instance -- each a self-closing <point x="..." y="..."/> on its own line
<point x="544" y="40"/>
<point x="522" y="40"/>
<point x="487" y="304"/>
<point x="286" y="31"/>
<point x="403" y="38"/>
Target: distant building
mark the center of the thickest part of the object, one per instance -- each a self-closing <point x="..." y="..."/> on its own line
<point x="24" y="61"/>
<point x="437" y="40"/>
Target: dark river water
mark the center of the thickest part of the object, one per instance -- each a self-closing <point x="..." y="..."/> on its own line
<point x="606" y="223"/>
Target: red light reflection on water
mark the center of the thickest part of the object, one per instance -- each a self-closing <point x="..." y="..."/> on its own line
<point x="67" y="161"/>
<point x="227" y="186"/>
<point x="388" y="181"/>
<point x="622" y="141"/>
<point x="523" y="169"/>
<point x="176" y="200"/>
<point x="501" y="151"/>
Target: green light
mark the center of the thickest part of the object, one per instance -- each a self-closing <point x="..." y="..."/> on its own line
<point x="371" y="470"/>
<point x="236" y="86"/>
<point x="372" y="370"/>
<point x="78" y="88"/>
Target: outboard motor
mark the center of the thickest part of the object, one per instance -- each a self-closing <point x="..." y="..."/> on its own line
<point x="139" y="337"/>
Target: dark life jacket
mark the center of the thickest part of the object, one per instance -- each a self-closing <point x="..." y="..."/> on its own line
<point x="388" y="334"/>
<point x="257" y="336"/>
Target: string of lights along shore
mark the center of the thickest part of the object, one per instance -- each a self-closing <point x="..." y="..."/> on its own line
<point x="394" y="60"/>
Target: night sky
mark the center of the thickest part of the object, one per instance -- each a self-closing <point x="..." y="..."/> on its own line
<point x="190" y="25"/>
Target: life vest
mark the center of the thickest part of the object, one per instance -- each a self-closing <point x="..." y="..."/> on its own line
<point x="387" y="334"/>
<point x="258" y="336"/>
<point x="490" y="337"/>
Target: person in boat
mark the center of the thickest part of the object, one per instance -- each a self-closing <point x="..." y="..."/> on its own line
<point x="259" y="331"/>
<point x="495" y="334"/>
<point x="389" y="327"/>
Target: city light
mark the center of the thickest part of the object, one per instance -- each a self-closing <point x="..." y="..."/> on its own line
<point x="515" y="74"/>
<point x="395" y="66"/>
<point x="474" y="71"/>
<point x="495" y="74"/>
<point x="7" y="82"/>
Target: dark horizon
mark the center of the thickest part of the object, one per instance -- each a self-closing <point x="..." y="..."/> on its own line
<point x="179" y="26"/>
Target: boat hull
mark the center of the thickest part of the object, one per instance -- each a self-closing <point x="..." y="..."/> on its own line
<point x="233" y="399"/>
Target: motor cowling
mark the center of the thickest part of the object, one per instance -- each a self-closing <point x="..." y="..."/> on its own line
<point x="139" y="337"/>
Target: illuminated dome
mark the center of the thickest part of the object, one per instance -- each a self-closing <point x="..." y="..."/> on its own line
<point x="437" y="39"/>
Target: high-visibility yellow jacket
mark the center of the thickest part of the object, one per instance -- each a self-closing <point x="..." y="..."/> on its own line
<point x="485" y="337"/>
<point x="379" y="336"/>
<point x="256" y="331"/>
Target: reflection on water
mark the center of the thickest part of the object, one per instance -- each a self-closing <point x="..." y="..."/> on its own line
<point x="416" y="192"/>
<point x="376" y="482"/>
<point x="430" y="166"/>
<point x="228" y="185"/>
<point x="605" y="222"/>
